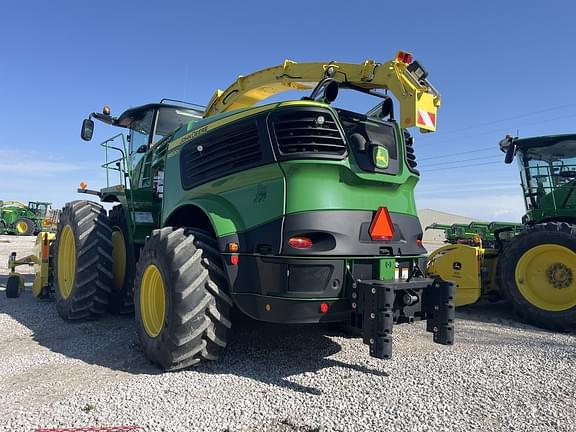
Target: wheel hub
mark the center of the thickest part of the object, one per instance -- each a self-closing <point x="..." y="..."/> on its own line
<point x="559" y="275"/>
<point x="545" y="276"/>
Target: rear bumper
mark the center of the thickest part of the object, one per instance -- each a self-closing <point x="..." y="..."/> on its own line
<point x="296" y="290"/>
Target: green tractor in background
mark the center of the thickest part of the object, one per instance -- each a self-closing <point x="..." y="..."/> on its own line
<point x="21" y="219"/>
<point x="290" y="212"/>
<point x="533" y="268"/>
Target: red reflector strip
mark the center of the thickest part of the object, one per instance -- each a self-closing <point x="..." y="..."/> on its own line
<point x="426" y="119"/>
<point x="45" y="247"/>
<point x="381" y="227"/>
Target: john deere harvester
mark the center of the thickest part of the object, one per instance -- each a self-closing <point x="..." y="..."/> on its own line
<point x="534" y="269"/>
<point x="291" y="212"/>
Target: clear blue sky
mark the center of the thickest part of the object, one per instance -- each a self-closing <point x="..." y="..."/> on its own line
<point x="500" y="66"/>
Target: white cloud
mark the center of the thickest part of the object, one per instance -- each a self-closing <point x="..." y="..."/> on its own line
<point x="38" y="168"/>
<point x="29" y="175"/>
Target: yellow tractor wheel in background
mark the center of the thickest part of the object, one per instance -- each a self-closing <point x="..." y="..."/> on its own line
<point x="123" y="264"/>
<point x="546" y="277"/>
<point x="25" y="227"/>
<point x="537" y="274"/>
<point x="82" y="261"/>
<point x="66" y="269"/>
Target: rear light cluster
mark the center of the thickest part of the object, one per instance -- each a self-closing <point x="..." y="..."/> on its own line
<point x="404" y="57"/>
<point x="233" y="248"/>
<point x="300" y="242"/>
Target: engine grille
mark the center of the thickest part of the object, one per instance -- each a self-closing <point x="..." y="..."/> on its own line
<point x="308" y="132"/>
<point x="225" y="152"/>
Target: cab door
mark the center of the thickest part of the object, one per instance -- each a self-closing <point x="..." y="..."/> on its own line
<point x="143" y="216"/>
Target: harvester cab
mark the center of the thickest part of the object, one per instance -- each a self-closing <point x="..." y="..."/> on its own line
<point x="291" y="212"/>
<point x="147" y="126"/>
<point x="548" y="175"/>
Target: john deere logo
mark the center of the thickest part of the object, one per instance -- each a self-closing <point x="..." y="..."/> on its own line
<point x="381" y="158"/>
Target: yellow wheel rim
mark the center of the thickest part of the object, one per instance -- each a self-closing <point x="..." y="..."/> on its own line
<point x="21" y="227"/>
<point x="152" y="300"/>
<point x="546" y="277"/>
<point x="66" y="262"/>
<point x="118" y="258"/>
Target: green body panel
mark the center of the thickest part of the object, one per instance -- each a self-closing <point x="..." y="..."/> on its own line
<point x="233" y="203"/>
<point x="253" y="197"/>
<point x="558" y="204"/>
<point x="333" y="185"/>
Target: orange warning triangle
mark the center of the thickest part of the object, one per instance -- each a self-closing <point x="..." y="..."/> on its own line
<point x="381" y="227"/>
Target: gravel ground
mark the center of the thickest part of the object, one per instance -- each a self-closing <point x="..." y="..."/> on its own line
<point x="500" y="375"/>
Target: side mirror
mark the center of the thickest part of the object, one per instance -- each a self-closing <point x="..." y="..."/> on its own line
<point x="87" y="129"/>
<point x="142" y="149"/>
<point x="387" y="109"/>
<point x="331" y="92"/>
<point x="510" y="153"/>
<point x="358" y="141"/>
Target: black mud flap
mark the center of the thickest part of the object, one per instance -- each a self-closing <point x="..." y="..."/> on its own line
<point x="379" y="305"/>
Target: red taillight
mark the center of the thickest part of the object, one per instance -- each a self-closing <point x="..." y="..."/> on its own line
<point x="324" y="307"/>
<point x="381" y="227"/>
<point x="234" y="259"/>
<point x="404" y="57"/>
<point x="300" y="242"/>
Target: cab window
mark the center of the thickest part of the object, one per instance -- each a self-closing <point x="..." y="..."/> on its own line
<point x="140" y="136"/>
<point x="170" y="120"/>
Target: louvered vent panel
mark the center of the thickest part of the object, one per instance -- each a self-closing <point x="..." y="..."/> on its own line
<point x="308" y="132"/>
<point x="220" y="154"/>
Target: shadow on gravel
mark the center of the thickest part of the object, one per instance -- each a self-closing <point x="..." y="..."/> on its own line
<point x="109" y="342"/>
<point x="268" y="353"/>
<point x="271" y="353"/>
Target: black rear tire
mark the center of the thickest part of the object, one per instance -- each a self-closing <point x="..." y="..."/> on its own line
<point x="196" y="316"/>
<point x="122" y="295"/>
<point x="83" y="279"/>
<point x="552" y="233"/>
<point x="13" y="287"/>
<point x="30" y="226"/>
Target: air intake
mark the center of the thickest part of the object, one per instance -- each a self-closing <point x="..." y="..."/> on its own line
<point x="308" y="133"/>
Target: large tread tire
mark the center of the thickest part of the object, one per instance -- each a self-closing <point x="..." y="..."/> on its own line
<point x="122" y="295"/>
<point x="197" y="303"/>
<point x="30" y="226"/>
<point x="555" y="233"/>
<point x="92" y="272"/>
